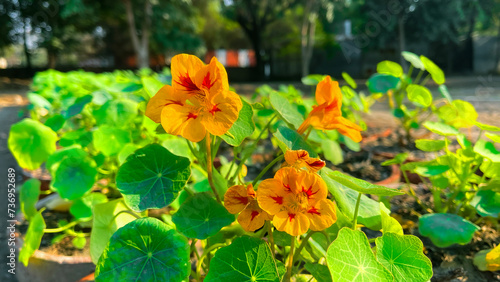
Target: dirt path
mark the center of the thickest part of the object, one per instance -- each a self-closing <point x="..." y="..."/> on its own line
<point x="10" y="104"/>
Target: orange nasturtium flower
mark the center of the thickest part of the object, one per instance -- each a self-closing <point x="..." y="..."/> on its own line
<point x="327" y="114"/>
<point x="198" y="101"/>
<point x="300" y="159"/>
<point x="297" y="200"/>
<point x="240" y="199"/>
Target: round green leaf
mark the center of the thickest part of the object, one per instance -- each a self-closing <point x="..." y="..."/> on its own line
<point x="285" y="109"/>
<point x="487" y="203"/>
<point x="413" y="59"/>
<point x="487" y="150"/>
<point x="403" y="256"/>
<point x="242" y="128"/>
<point x="79" y="242"/>
<point x="429" y="145"/>
<point x="201" y="216"/>
<point x="291" y="140"/>
<point x="349" y="80"/>
<point x="390" y="68"/>
<point x="152" y="177"/>
<point x="39" y="101"/>
<point x="319" y="272"/>
<point x="144" y="250"/>
<point x="82" y="208"/>
<point x="440" y="128"/>
<point x="128" y="150"/>
<point x="33" y="238"/>
<point x="118" y="113"/>
<point x="78" y="137"/>
<point x="445" y="229"/>
<point x="31" y="143"/>
<point x="381" y="83"/>
<point x="429" y="170"/>
<point x="458" y="114"/>
<point x="389" y="224"/>
<point x="77" y="106"/>
<point x="445" y="93"/>
<point x="73" y="173"/>
<point x="246" y="259"/>
<point x="350" y="258"/>
<point x="55" y="122"/>
<point x="28" y="196"/>
<point x="419" y="95"/>
<point x="362" y="186"/>
<point x="110" y="140"/>
<point x="108" y="217"/>
<point x="436" y="73"/>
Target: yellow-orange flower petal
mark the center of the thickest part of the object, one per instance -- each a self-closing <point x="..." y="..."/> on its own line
<point x="312" y="187"/>
<point x="328" y="92"/>
<point x="288" y="178"/>
<point x="322" y="215"/>
<point x="327" y="114"/>
<point x="300" y="159"/>
<point x="223" y="110"/>
<point x="253" y="217"/>
<point x="212" y="75"/>
<point x="183" y="120"/>
<point x="164" y="97"/>
<point x="291" y="222"/>
<point x="493" y="259"/>
<point x="271" y="195"/>
<point x="184" y="68"/>
<point x="236" y="199"/>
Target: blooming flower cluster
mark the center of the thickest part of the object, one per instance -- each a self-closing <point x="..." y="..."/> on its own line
<point x="198" y="101"/>
<point x="327" y="115"/>
<point x="295" y="199"/>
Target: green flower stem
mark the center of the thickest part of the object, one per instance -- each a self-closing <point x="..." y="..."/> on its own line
<point x="413" y="194"/>
<point x="290" y="261"/>
<point x="419" y="75"/>
<point x="356" y="210"/>
<point x="209" y="168"/>
<point x="410" y="70"/>
<point x="61" y="229"/>
<point x="254" y="146"/>
<point x="424" y="82"/>
<point x="271" y="237"/>
<point x="206" y="252"/>
<point x="303" y="244"/>
<point x="269" y="166"/>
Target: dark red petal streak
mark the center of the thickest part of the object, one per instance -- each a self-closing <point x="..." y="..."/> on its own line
<point x="291" y="216"/>
<point x="187" y="83"/>
<point x="278" y="199"/>
<point x="215" y="109"/>
<point x="314" y="210"/>
<point x="207" y="82"/>
<point x="191" y="115"/>
<point x="254" y="214"/>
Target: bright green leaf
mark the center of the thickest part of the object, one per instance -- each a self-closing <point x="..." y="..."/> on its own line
<point x="28" y="197"/>
<point x="429" y="145"/>
<point x="486" y="127"/>
<point x="419" y="95"/>
<point x="361" y="185"/>
<point x="286" y="110"/>
<point x="381" y="83"/>
<point x="33" y="238"/>
<point x="445" y="93"/>
<point x="413" y="59"/>
<point x="436" y="73"/>
<point x="55" y="122"/>
<point x="242" y="128"/>
<point x="201" y="216"/>
<point x="403" y="256"/>
<point x="293" y="141"/>
<point x="151" y="85"/>
<point x="246" y="259"/>
<point x="31" y="143"/>
<point x="152" y="177"/>
<point x="350" y="258"/>
<point x="77" y="106"/>
<point x="494" y="137"/>
<point x="320" y="272"/>
<point x="431" y="170"/>
<point x="79" y="242"/>
<point x="389" y="224"/>
<point x="398" y="159"/>
<point x="441" y="128"/>
<point x="445" y="229"/>
<point x="145" y="250"/>
<point x="332" y="151"/>
<point x="390" y="68"/>
<point x="487" y="150"/>
<point x="487" y="203"/>
<point x="312" y="79"/>
<point x="110" y="140"/>
<point x="82" y="208"/>
<point x="349" y="80"/>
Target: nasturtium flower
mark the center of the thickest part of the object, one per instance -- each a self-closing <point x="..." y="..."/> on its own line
<point x="327" y="115"/>
<point x="198" y="101"/>
<point x="297" y="201"/>
<point x="239" y="199"/>
<point x="300" y="159"/>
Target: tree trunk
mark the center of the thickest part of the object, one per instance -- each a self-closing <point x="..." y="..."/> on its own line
<point x="140" y="43"/>
<point x="51" y="62"/>
<point x="307" y="35"/>
<point x="25" y="45"/>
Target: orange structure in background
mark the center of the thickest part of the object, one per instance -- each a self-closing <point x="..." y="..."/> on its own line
<point x="233" y="58"/>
